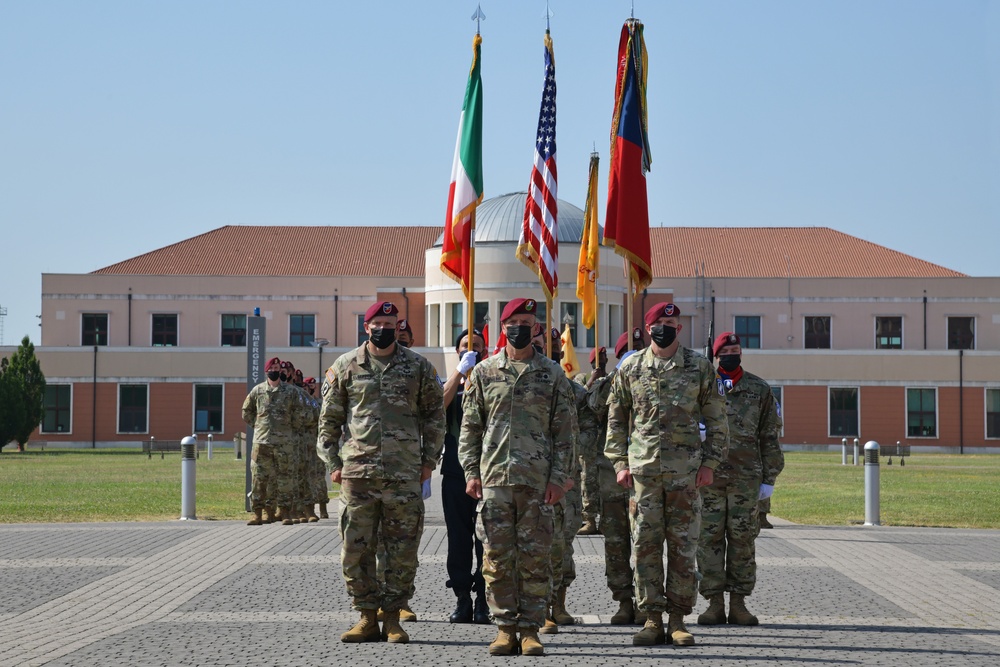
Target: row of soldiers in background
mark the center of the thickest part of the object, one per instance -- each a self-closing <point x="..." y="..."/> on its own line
<point x="288" y="479"/>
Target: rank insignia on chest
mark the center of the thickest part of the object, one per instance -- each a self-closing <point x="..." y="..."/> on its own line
<point x="720" y="386"/>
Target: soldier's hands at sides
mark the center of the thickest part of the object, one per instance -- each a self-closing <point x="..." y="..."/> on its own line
<point x="336" y="475"/>
<point x="474" y="488"/>
<point x="595" y="376"/>
<point x="705" y="477"/>
<point x="625" y="479"/>
<point x="466" y="363"/>
<point x="553" y="492"/>
<point x="425" y="474"/>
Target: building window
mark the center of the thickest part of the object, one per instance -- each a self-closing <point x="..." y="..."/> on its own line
<point x="747" y="327"/>
<point x="817" y="333"/>
<point x="921" y="413"/>
<point x="58" y="408"/>
<point x="133" y="400"/>
<point x="614" y="325"/>
<point x="456" y="319"/>
<point x="434" y="325"/>
<point x="208" y="408"/>
<point x="571" y="310"/>
<point x="164" y="330"/>
<point x="234" y="331"/>
<point x="888" y="333"/>
<point x="482" y="309"/>
<point x="844" y="411"/>
<point x="95" y="329"/>
<point x="302" y="330"/>
<point x="961" y="333"/>
<point x="993" y="413"/>
<point x="777" y="393"/>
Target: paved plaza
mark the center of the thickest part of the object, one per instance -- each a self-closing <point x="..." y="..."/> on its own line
<point x="223" y="593"/>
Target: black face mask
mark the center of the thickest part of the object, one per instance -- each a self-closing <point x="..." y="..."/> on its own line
<point x="403" y="344"/>
<point x="518" y="335"/>
<point x="273" y="375"/>
<point x="283" y="376"/>
<point x="729" y="362"/>
<point x="662" y="334"/>
<point x="382" y="338"/>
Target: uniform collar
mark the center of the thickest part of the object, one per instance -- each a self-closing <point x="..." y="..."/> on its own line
<point x="650" y="359"/>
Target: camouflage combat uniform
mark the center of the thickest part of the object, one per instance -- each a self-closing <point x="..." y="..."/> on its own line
<point x="276" y="414"/>
<point x="614" y="503"/>
<point x="517" y="437"/>
<point x="653" y="414"/>
<point x="726" y="555"/>
<point x="311" y="470"/>
<point x="391" y="411"/>
<point x="590" y="487"/>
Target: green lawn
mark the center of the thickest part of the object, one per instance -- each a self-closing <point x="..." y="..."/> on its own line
<point x="123" y="485"/>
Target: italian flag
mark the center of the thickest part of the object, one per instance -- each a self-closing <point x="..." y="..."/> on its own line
<point x="466" y="189"/>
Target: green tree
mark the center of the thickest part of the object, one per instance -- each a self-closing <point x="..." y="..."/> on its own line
<point x="24" y="386"/>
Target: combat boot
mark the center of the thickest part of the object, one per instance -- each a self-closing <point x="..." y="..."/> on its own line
<point x="530" y="644"/>
<point x="764" y="523"/>
<point x="716" y="612"/>
<point x="323" y="514"/>
<point x="286" y="516"/>
<point x="406" y="614"/>
<point x="738" y="613"/>
<point x="625" y="614"/>
<point x="463" y="609"/>
<point x="505" y="642"/>
<point x="481" y="612"/>
<point x="256" y="520"/>
<point x="589" y="527"/>
<point x="270" y="516"/>
<point x="640" y="616"/>
<point x="365" y="630"/>
<point x="311" y="513"/>
<point x="550" y="627"/>
<point x="651" y="633"/>
<point x="677" y="632"/>
<point x="559" y="613"/>
<point x="392" y="631"/>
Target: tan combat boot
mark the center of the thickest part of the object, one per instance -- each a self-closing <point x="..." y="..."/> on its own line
<point x="651" y="633"/>
<point x="550" y="627"/>
<point x="738" y="613"/>
<point x="256" y="520"/>
<point x="286" y="516"/>
<point x="530" y="644"/>
<point x="589" y="527"/>
<point x="406" y="614"/>
<point x="392" y="631"/>
<point x="505" y="642"/>
<point x="365" y="630"/>
<point x="677" y="632"/>
<point x="311" y="512"/>
<point x="270" y="516"/>
<point x="323" y="514"/>
<point x="716" y="612"/>
<point x="625" y="614"/>
<point x="559" y="613"/>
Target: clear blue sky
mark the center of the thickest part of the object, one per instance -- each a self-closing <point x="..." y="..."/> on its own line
<point x="126" y="126"/>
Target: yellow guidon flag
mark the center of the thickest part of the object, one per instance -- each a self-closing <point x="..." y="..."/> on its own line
<point x="569" y="361"/>
<point x="586" y="276"/>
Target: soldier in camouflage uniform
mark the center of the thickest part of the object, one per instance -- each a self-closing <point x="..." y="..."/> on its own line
<point x="516" y="448"/>
<point x="590" y="488"/>
<point x="614" y="499"/>
<point x="658" y="397"/>
<point x="313" y="469"/>
<point x="276" y="412"/>
<point x="388" y="402"/>
<point x="726" y="555"/>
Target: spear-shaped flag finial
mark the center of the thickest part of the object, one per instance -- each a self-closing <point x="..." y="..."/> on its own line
<point x="478" y="16"/>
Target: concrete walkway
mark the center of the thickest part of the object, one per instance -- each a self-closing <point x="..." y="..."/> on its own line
<point x="222" y="593"/>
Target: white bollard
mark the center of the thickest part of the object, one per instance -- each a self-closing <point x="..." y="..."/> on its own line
<point x="188" y="446"/>
<point x="872" y="484"/>
<point x="843" y="451"/>
<point x="857" y="451"/>
<point x="209" y="446"/>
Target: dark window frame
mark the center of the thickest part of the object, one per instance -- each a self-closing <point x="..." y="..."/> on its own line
<point x="233" y="335"/>
<point x="992" y="417"/>
<point x="959" y="339"/>
<point x="748" y="338"/>
<point x="921" y="429"/>
<point x="300" y="336"/>
<point x="886" y="333"/>
<point x="215" y="413"/>
<point x="93" y="335"/>
<point x="811" y="336"/>
<point x="53" y="412"/>
<point x="843" y="420"/>
<point x="164" y="333"/>
<point x="128" y="413"/>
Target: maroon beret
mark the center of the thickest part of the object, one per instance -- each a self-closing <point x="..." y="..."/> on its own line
<point x="273" y="363"/>
<point x="662" y="309"/>
<point x="310" y="380"/>
<point x="724" y="339"/>
<point x="404" y="325"/>
<point x="621" y="347"/>
<point x="518" y="306"/>
<point x="387" y="308"/>
<point x="593" y="354"/>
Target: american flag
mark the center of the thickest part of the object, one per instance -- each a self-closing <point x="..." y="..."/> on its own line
<point x="538" y="247"/>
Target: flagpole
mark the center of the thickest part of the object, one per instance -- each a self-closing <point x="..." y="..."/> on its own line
<point x="629" y="307"/>
<point x="471" y="312"/>
<point x="548" y="325"/>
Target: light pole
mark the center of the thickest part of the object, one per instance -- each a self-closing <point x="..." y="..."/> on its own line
<point x="319" y="344"/>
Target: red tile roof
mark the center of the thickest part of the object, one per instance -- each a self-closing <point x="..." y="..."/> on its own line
<point x="778" y="252"/>
<point x="236" y="250"/>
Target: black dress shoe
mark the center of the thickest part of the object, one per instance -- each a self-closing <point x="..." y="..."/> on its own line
<point x="463" y="609"/>
<point x="481" y="615"/>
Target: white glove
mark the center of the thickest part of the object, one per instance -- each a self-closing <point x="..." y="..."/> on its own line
<point x="466" y="363"/>
<point x="426" y="487"/>
<point x="765" y="491"/>
<point x="701" y="432"/>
